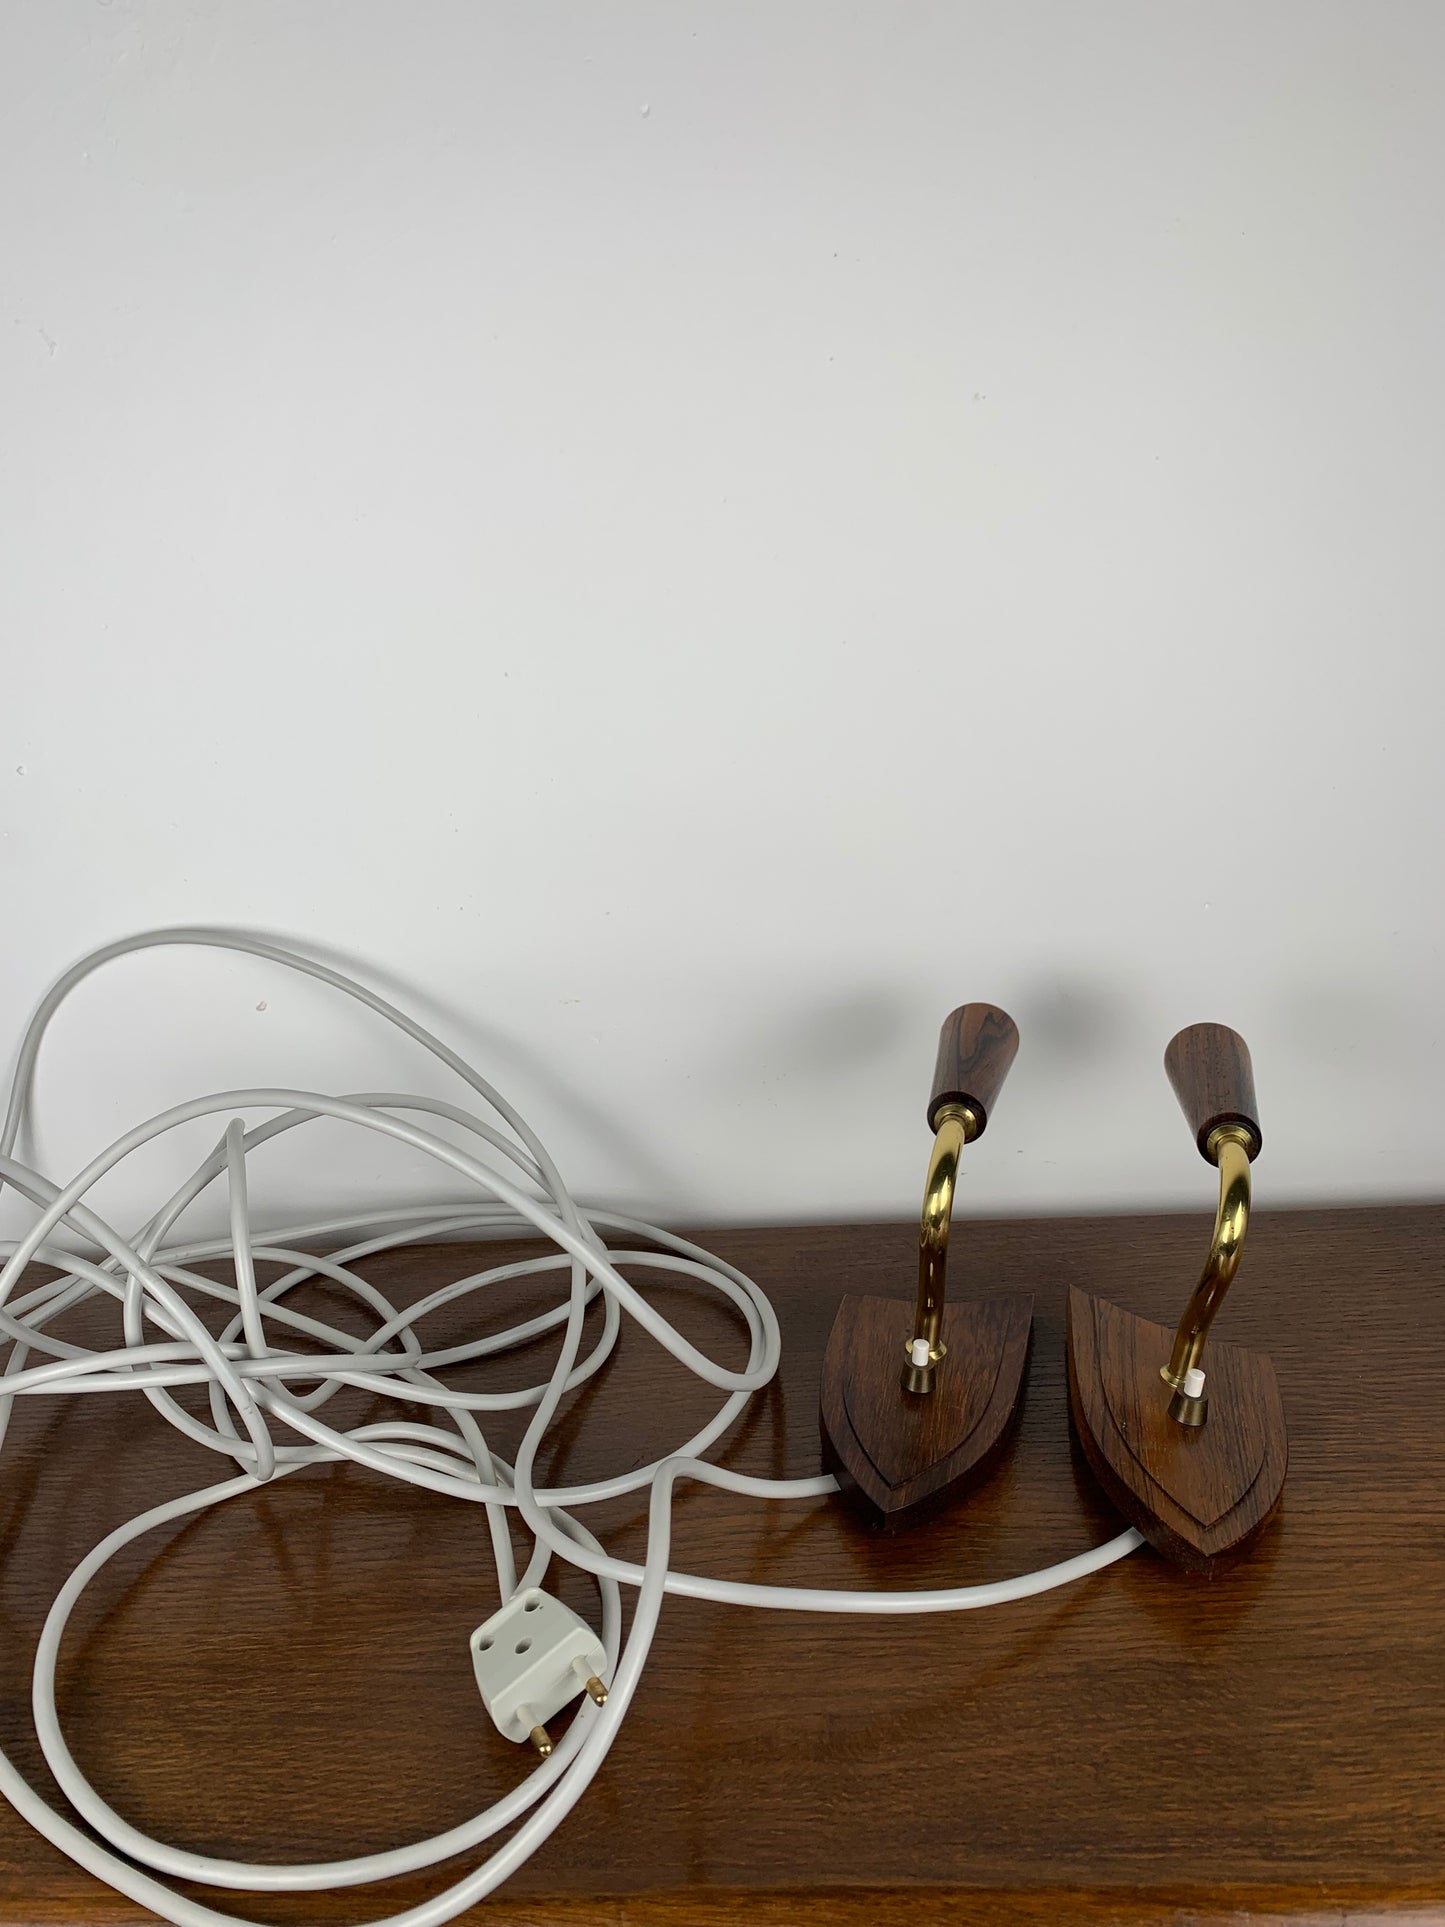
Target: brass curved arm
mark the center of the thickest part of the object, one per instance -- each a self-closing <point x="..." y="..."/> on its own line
<point x="1230" y="1147"/>
<point x="956" y="1126"/>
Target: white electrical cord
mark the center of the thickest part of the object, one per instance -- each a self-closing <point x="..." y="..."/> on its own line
<point x="267" y="1430"/>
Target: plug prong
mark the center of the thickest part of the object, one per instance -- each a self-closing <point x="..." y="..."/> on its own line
<point x="538" y="1734"/>
<point x="596" y="1691"/>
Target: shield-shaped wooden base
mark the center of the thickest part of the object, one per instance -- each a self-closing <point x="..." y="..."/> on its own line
<point x="897" y="1455"/>
<point x="1198" y="1494"/>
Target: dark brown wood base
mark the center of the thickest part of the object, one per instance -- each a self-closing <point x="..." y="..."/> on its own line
<point x="901" y="1456"/>
<point x="1198" y="1494"/>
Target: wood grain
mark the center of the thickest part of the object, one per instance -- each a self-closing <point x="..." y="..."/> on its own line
<point x="1197" y="1493"/>
<point x="901" y="1456"/>
<point x="1213" y="1078"/>
<point x="773" y="1769"/>
<point x="976" y="1046"/>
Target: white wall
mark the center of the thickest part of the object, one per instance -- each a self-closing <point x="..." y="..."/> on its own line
<point x="695" y="538"/>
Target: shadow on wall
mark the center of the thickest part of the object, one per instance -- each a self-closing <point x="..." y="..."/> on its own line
<point x="1071" y="1019"/>
<point x="831" y="1040"/>
<point x="822" y="1038"/>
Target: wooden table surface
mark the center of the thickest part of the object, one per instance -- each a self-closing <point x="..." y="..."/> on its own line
<point x="289" y="1676"/>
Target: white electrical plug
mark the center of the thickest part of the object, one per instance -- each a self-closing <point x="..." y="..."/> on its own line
<point x="530" y="1659"/>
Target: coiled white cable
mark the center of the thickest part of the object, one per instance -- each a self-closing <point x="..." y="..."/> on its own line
<point x="268" y="1430"/>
